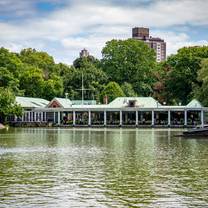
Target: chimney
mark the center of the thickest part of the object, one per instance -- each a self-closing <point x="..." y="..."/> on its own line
<point x="105" y="99"/>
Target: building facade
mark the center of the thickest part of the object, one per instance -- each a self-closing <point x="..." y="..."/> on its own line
<point x="123" y="111"/>
<point x="158" y="44"/>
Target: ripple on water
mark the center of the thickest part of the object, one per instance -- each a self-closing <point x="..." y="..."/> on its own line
<point x="98" y="168"/>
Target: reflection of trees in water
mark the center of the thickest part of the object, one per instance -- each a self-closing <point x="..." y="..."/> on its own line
<point x="127" y="172"/>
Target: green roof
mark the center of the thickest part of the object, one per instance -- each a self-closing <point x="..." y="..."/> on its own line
<point x="28" y="102"/>
<point x="85" y="102"/>
<point x="145" y="102"/>
<point x="194" y="104"/>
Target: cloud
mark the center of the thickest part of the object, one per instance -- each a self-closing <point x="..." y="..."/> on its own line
<point x="177" y="40"/>
<point x="90" y="24"/>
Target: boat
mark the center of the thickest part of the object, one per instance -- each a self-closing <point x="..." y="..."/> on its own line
<point x="197" y="131"/>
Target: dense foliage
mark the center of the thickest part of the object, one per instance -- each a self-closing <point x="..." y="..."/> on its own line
<point x="128" y="68"/>
<point x="201" y="91"/>
<point x="130" y="61"/>
<point x="112" y="91"/>
<point x="178" y="75"/>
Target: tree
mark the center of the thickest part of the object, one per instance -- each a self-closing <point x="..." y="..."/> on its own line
<point x="82" y="61"/>
<point x="8" y="104"/>
<point x="94" y="79"/>
<point x="201" y="91"/>
<point x="53" y="88"/>
<point x="130" y="61"/>
<point x="182" y="76"/>
<point x="32" y="82"/>
<point x="7" y="80"/>
<point x="39" y="59"/>
<point x="128" y="90"/>
<point x="112" y="90"/>
<point x="11" y="62"/>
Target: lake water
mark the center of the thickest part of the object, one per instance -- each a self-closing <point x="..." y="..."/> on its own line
<point x="102" y="168"/>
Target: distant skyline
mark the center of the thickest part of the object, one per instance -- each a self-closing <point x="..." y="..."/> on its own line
<point x="64" y="27"/>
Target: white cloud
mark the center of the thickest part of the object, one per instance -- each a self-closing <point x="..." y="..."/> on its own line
<point x="177" y="40"/>
<point x="91" y="23"/>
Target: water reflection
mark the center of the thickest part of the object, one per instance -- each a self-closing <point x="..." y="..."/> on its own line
<point x="102" y="168"/>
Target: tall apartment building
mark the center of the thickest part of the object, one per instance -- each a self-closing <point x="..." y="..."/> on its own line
<point x="158" y="44"/>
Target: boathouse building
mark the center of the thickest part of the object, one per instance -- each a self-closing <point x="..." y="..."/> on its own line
<point x="123" y="111"/>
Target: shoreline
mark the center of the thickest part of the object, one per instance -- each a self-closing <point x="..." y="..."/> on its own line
<point x="2" y="126"/>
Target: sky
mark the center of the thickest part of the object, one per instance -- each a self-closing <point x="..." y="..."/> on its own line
<point x="64" y="27"/>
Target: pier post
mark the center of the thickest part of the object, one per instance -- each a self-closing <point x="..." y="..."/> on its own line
<point x="121" y="118"/>
<point x="74" y="118"/>
<point x="185" y="117"/>
<point x="153" y="117"/>
<point x="169" y="119"/>
<point x="202" y="118"/>
<point x="105" y="118"/>
<point x="89" y="118"/>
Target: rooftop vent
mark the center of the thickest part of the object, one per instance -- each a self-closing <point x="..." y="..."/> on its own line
<point x="132" y="103"/>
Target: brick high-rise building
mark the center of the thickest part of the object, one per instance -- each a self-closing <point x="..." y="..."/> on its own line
<point x="158" y="44"/>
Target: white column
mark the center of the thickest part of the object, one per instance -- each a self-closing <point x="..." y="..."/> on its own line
<point x="89" y="118"/>
<point x="54" y="117"/>
<point x="105" y="118"/>
<point x="136" y="118"/>
<point x="45" y="116"/>
<point x="121" y="118"/>
<point x="59" y="119"/>
<point x="41" y="116"/>
<point x="185" y="117"/>
<point x="153" y="117"/>
<point x="202" y="118"/>
<point x="74" y="118"/>
<point x="169" y="119"/>
<point x="35" y="116"/>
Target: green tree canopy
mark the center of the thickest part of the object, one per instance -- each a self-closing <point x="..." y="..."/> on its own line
<point x="39" y="59"/>
<point x="130" y="61"/>
<point x="81" y="62"/>
<point x="10" y="61"/>
<point x="182" y="76"/>
<point x="53" y="88"/>
<point x="128" y="90"/>
<point x="112" y="90"/>
<point x="93" y="77"/>
<point x="7" y="80"/>
<point x="32" y="82"/>
<point x="8" y="104"/>
<point x="201" y="91"/>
